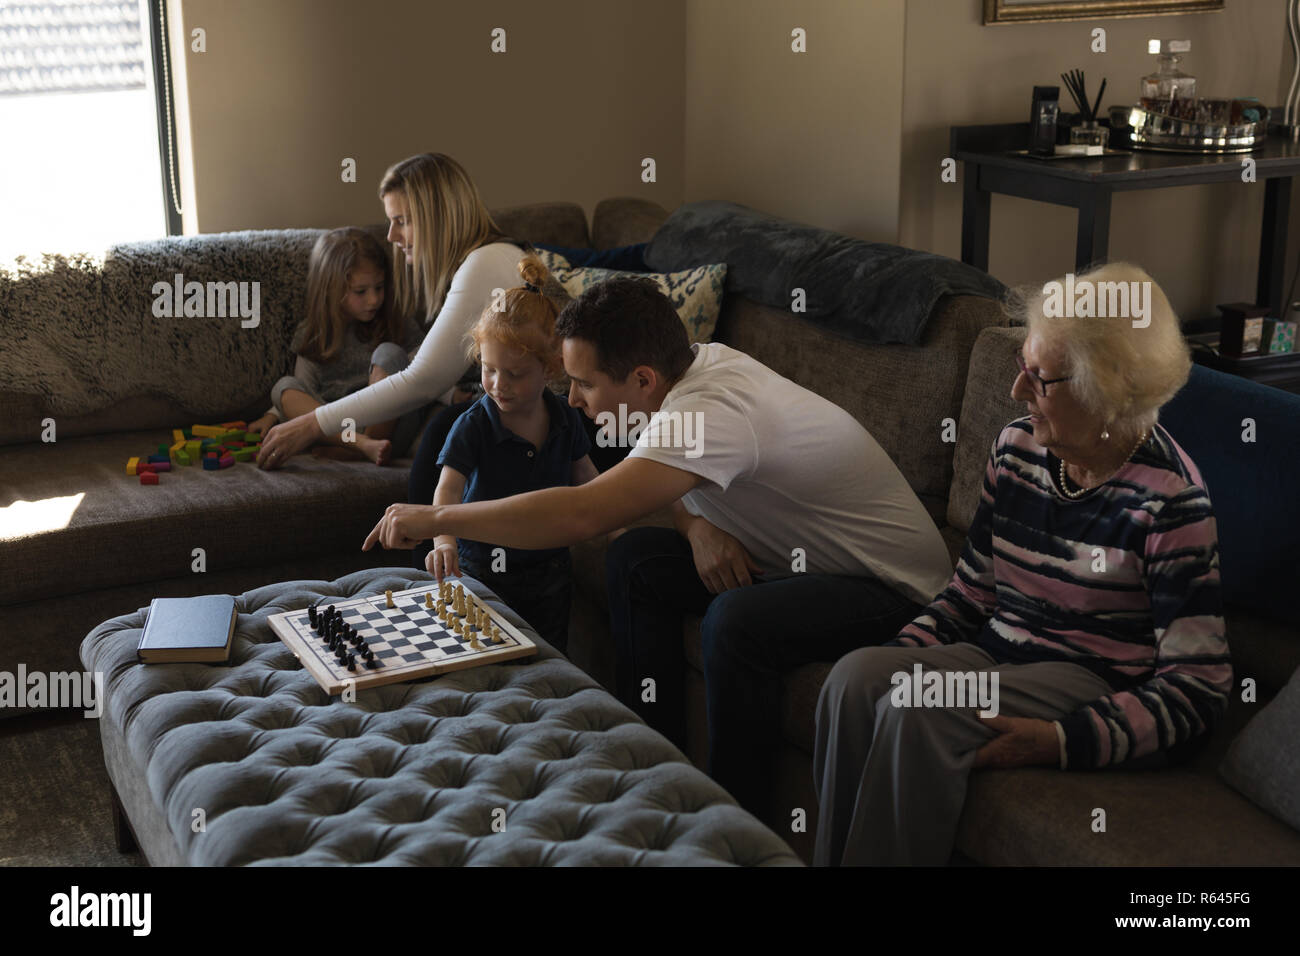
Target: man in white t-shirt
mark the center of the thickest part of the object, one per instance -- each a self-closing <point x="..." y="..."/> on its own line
<point x="795" y="535"/>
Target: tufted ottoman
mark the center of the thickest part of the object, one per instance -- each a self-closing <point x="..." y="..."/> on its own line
<point x="528" y="763"/>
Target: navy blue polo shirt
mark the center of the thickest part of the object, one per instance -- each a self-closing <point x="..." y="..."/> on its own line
<point x="497" y="463"/>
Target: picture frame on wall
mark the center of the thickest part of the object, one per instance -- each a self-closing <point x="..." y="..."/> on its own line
<point x="1031" y="11"/>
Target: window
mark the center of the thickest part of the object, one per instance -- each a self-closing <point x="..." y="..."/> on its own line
<point x="80" y="164"/>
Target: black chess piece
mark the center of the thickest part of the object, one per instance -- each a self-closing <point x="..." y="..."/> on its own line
<point x="352" y="662"/>
<point x="311" y="615"/>
<point x="368" y="654"/>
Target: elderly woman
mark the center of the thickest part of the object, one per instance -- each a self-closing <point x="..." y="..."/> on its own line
<point x="1089" y="587"/>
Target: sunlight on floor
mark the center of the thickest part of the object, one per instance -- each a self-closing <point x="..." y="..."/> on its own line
<point x="23" y="518"/>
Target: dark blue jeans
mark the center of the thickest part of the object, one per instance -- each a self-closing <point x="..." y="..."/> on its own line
<point x="751" y="638"/>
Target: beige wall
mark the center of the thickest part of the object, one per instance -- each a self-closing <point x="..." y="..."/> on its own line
<point x="288" y="88"/>
<point x="813" y="136"/>
<point x="848" y="136"/>
<point x="1199" y="242"/>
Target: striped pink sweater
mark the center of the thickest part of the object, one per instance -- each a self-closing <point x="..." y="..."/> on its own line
<point x="1123" y="581"/>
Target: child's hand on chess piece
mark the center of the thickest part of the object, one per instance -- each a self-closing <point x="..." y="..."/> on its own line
<point x="444" y="560"/>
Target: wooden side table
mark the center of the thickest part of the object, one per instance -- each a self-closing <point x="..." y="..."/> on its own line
<point x="1088" y="184"/>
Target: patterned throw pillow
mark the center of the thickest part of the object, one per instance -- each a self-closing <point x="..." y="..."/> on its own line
<point x="696" y="294"/>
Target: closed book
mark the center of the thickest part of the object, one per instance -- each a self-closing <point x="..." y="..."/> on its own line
<point x="196" y="629"/>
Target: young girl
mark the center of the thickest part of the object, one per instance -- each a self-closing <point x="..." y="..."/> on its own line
<point x="518" y="437"/>
<point x="448" y="257"/>
<point x="349" y="339"/>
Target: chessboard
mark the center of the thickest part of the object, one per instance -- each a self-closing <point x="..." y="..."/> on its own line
<point x="398" y="636"/>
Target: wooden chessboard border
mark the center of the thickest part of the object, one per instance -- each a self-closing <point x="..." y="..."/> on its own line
<point x="309" y="652"/>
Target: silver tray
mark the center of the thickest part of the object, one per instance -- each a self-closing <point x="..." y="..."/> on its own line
<point x="1163" y="133"/>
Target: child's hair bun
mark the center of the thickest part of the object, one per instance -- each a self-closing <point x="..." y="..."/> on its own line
<point x="533" y="271"/>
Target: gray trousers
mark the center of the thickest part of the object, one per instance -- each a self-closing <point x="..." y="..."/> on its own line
<point x="891" y="781"/>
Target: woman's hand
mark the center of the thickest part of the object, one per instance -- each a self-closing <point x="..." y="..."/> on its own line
<point x="444" y="560"/>
<point x="721" y="561"/>
<point x="1021" y="742"/>
<point x="287" y="439"/>
<point x="403" y="526"/>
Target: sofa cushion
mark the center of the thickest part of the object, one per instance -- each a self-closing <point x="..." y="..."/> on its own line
<point x="869" y="292"/>
<point x="986" y="408"/>
<point x="556" y="223"/>
<point x="1171" y="817"/>
<point x="1252" y="484"/>
<point x="407" y="774"/>
<point x="623" y="258"/>
<point x="696" y="294"/>
<point x="1264" y="762"/>
<point x="74" y="521"/>
<point x="905" y="395"/>
<point x="624" y="221"/>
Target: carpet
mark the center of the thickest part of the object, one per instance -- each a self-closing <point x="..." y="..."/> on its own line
<point x="55" y="808"/>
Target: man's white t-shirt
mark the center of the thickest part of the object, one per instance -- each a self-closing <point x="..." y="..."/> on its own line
<point x="441" y="359"/>
<point x="786" y="469"/>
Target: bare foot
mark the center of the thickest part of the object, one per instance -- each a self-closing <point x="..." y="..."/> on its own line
<point x="378" y="450"/>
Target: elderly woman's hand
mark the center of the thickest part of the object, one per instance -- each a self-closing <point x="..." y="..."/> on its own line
<point x="287" y="439"/>
<point x="1021" y="742"/>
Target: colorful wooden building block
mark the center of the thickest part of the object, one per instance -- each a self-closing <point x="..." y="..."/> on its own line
<point x="183" y="458"/>
<point x="160" y="466"/>
<point x="148" y="478"/>
<point x="241" y="425"/>
<point x="225" y="461"/>
<point x="208" y="431"/>
<point x="244" y="454"/>
<point x="131" y="465"/>
<point x="178" y="435"/>
<point x="211" y="464"/>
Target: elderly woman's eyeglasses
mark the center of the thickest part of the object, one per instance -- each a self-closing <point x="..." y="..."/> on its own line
<point x="1039" y="384"/>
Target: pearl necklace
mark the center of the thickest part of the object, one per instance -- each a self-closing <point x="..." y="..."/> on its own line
<point x="1065" y="490"/>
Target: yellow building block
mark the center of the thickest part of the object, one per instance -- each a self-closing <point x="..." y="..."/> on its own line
<point x="208" y="431"/>
<point x="178" y="435"/>
<point x="131" y="464"/>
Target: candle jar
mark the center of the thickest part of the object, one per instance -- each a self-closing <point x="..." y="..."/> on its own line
<point x="1089" y="133"/>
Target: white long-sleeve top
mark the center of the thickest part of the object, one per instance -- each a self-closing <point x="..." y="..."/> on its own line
<point x="440" y="360"/>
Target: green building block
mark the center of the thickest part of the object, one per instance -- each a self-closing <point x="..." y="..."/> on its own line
<point x="183" y="458"/>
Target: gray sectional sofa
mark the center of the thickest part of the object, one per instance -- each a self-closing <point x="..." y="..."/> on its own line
<point x="122" y="544"/>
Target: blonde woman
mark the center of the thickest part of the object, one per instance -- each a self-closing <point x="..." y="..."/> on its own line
<point x="1088" y="586"/>
<point x="448" y="257"/>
